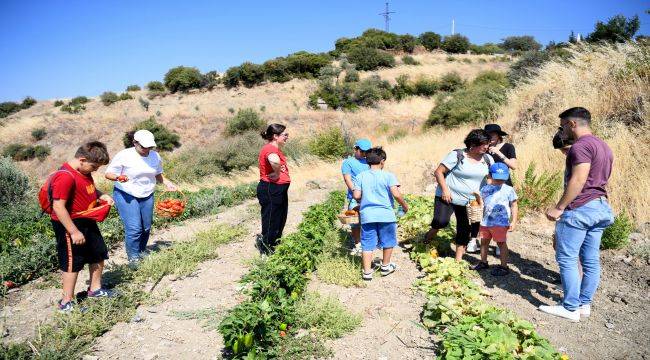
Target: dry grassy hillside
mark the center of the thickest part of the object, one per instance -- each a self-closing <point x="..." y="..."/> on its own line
<point x="200" y="117"/>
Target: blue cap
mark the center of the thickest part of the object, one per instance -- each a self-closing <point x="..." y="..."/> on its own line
<point x="499" y="171"/>
<point x="363" y="144"/>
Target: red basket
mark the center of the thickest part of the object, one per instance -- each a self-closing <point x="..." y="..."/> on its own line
<point x="171" y="206"/>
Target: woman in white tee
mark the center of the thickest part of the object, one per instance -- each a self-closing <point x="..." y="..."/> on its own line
<point x="136" y="170"/>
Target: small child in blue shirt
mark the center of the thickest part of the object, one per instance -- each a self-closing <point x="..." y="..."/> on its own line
<point x="499" y="207"/>
<point x="375" y="189"/>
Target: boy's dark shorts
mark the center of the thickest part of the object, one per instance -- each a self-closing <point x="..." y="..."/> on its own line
<point x="72" y="258"/>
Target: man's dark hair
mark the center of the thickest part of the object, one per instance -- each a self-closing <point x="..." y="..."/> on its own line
<point x="577" y="113"/>
<point x="476" y="137"/>
<point x="94" y="151"/>
<point x="375" y="155"/>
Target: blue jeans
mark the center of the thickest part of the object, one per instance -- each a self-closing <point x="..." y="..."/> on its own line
<point x="137" y="215"/>
<point x="578" y="233"/>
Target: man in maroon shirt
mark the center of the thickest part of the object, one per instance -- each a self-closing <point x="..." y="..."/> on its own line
<point x="581" y="215"/>
<point x="79" y="241"/>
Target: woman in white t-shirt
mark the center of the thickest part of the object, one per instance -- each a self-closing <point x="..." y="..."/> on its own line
<point x="136" y="170"/>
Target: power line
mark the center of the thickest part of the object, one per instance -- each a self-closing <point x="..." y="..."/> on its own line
<point x="386" y="15"/>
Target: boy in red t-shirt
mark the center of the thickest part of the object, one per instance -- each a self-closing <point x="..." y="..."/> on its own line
<point x="78" y="241"/>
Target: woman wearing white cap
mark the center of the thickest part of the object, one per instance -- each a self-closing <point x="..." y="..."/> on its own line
<point x="136" y="170"/>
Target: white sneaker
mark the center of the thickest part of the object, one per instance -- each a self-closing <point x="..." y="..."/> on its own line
<point x="356" y="251"/>
<point x="559" y="310"/>
<point x="473" y="246"/>
<point x="497" y="251"/>
<point x="585" y="310"/>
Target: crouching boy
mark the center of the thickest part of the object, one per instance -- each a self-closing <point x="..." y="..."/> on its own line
<point x="499" y="206"/>
<point x="375" y="190"/>
<point x="78" y="241"/>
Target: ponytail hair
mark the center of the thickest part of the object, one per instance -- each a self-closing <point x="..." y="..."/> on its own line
<point x="273" y="129"/>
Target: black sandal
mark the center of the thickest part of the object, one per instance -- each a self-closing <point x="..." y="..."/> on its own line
<point x="500" y="270"/>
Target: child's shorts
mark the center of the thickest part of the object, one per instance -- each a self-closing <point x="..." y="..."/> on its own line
<point x="380" y="235"/>
<point x="496" y="233"/>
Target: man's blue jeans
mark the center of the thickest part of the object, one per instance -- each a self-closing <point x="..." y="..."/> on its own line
<point x="136" y="214"/>
<point x="578" y="233"/>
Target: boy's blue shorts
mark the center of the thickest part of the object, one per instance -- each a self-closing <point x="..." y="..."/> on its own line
<point x="378" y="235"/>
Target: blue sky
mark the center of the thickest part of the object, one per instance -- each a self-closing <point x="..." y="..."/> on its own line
<point x="53" y="48"/>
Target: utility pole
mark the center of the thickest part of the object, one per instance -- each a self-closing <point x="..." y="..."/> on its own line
<point x="453" y="25"/>
<point x="386" y="15"/>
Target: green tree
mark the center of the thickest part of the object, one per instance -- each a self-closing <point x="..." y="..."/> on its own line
<point x="133" y="88"/>
<point x="182" y="78"/>
<point x="617" y="29"/>
<point x="430" y="40"/>
<point x="7" y="108"/>
<point x="28" y="102"/>
<point x="108" y="98"/>
<point x="455" y="44"/>
<point x="520" y="43"/>
<point x="166" y="140"/>
<point x="367" y="58"/>
<point x="251" y="74"/>
<point x="246" y="120"/>
<point x="407" y="43"/>
<point x="231" y="78"/>
<point x="156" y="86"/>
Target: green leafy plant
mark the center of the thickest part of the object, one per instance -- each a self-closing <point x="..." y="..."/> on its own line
<point x="156" y="86"/>
<point x="367" y="58"/>
<point x="125" y="96"/>
<point x="109" y="98"/>
<point x="39" y="133"/>
<point x="166" y="140"/>
<point x="58" y="103"/>
<point x="28" y="102"/>
<point x="455" y="44"/>
<point x="182" y="78"/>
<point x="430" y="40"/>
<point x="133" y="88"/>
<point x="617" y="235"/>
<point x="245" y="120"/>
<point x="7" y="108"/>
<point x="537" y="191"/>
<point x="330" y="143"/>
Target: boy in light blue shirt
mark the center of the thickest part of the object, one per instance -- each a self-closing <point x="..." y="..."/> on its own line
<point x="376" y="190"/>
<point x="351" y="167"/>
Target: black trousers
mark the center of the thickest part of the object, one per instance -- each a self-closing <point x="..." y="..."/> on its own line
<point x="442" y="214"/>
<point x="274" y="200"/>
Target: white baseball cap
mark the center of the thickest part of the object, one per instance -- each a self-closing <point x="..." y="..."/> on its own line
<point x="144" y="138"/>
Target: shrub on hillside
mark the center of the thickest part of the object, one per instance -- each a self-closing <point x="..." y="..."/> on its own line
<point x="492" y="76"/>
<point x="125" y="96"/>
<point x="537" y="191"/>
<point x="407" y="43"/>
<point x="7" y="108"/>
<point x="231" y="78"/>
<point x="455" y="44"/>
<point x="246" y="120"/>
<point x="617" y="235"/>
<point x="144" y="103"/>
<point x="430" y="40"/>
<point x="109" y="98"/>
<point x="73" y="108"/>
<point x="182" y="78"/>
<point x="350" y="95"/>
<point x="58" y="103"/>
<point x="133" y="88"/>
<point x="276" y="70"/>
<point x="166" y="140"/>
<point x="79" y="100"/>
<point x="403" y="88"/>
<point x="39" y="133"/>
<point x="486" y="49"/>
<point x="425" y="87"/>
<point x="409" y="60"/>
<point x="617" y="29"/>
<point x="14" y="185"/>
<point x="303" y="64"/>
<point x="156" y="86"/>
<point x="367" y="58"/>
<point x="451" y="82"/>
<point x="371" y="90"/>
<point x="28" y="102"/>
<point x="251" y="74"/>
<point x="475" y="103"/>
<point x="520" y="44"/>
<point x="22" y="152"/>
<point x="351" y="75"/>
<point x="210" y="80"/>
<point x="330" y="144"/>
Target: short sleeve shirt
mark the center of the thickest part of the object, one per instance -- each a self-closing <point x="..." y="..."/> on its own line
<point x="353" y="167"/>
<point x="74" y="187"/>
<point x="265" y="165"/>
<point x="496" y="204"/>
<point x="465" y="178"/>
<point x="141" y="171"/>
<point x="376" y="199"/>
<point x="508" y="150"/>
<point x="590" y="149"/>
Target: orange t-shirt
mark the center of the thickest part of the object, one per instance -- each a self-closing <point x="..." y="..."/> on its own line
<point x="266" y="168"/>
<point x="84" y="196"/>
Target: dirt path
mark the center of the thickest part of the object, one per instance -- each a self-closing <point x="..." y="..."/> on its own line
<point x="159" y="332"/>
<point x="620" y="323"/>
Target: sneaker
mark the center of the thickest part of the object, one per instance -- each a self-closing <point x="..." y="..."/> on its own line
<point x="388" y="269"/>
<point x="356" y="250"/>
<point x="585" y="310"/>
<point x="497" y="251"/>
<point x="101" y="293"/>
<point x="559" y="310"/>
<point x="480" y="266"/>
<point x="366" y="276"/>
<point x="65" y="308"/>
<point x="500" y="270"/>
<point x="473" y="246"/>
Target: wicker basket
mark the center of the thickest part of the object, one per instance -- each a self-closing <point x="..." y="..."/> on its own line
<point x="348" y="219"/>
<point x="474" y="213"/>
<point x="171" y="213"/>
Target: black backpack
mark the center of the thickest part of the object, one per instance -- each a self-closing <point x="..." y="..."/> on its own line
<point x="460" y="156"/>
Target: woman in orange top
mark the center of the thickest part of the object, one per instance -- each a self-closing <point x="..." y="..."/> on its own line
<point x="273" y="188"/>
